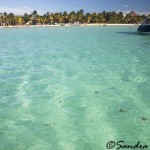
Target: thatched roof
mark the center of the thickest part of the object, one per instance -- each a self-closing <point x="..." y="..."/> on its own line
<point x="133" y="13"/>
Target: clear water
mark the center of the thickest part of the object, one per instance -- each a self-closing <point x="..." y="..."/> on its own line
<point x="73" y="88"/>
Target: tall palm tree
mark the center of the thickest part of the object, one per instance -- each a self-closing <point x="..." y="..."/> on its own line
<point x="101" y="18"/>
<point x="80" y="16"/>
<point x="11" y="18"/>
<point x="113" y="17"/>
<point x="5" y="18"/>
<point x="72" y="17"/>
<point x="88" y="18"/>
<point x="104" y="16"/>
<point x="120" y="17"/>
<point x="94" y="18"/>
<point x="65" y="17"/>
<point x="1" y="19"/>
<point x="48" y="17"/>
<point x="26" y="18"/>
<point x="34" y="14"/>
<point x="51" y="18"/>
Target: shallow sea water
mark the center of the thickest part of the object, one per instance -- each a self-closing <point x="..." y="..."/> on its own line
<point x="73" y="88"/>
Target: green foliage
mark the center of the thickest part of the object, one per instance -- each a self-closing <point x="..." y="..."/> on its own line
<point x="65" y="17"/>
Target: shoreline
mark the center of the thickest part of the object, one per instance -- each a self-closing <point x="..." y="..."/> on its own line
<point x="67" y="25"/>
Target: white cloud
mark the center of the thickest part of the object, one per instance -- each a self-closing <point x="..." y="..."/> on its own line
<point x="125" y="5"/>
<point x="20" y="11"/>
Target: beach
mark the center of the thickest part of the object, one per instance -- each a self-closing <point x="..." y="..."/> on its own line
<point x="67" y="25"/>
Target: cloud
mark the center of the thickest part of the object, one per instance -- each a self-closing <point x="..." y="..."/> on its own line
<point x="20" y="11"/>
<point x="125" y="5"/>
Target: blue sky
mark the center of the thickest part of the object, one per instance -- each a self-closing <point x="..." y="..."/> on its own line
<point x="43" y="6"/>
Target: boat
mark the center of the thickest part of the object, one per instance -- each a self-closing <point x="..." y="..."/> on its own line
<point x="144" y="28"/>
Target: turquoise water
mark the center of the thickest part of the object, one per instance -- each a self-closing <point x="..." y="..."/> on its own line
<point x="73" y="88"/>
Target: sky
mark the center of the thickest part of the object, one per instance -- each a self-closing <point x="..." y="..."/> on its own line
<point x="42" y="6"/>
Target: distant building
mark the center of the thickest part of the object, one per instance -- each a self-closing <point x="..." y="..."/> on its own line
<point x="133" y="14"/>
<point x="133" y="17"/>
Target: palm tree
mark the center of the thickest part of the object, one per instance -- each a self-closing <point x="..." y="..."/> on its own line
<point x="48" y="17"/>
<point x="42" y="19"/>
<point x="19" y="20"/>
<point x="5" y="18"/>
<point x="65" y="17"/>
<point x="26" y="18"/>
<point x="88" y="18"/>
<point x="101" y="18"/>
<point x="113" y="17"/>
<point x="104" y="16"/>
<point x="120" y="17"/>
<point x="51" y="18"/>
<point x="94" y="18"/>
<point x="80" y="16"/>
<point x="11" y="18"/>
<point x="81" y="11"/>
<point x="34" y="14"/>
<point x="1" y="19"/>
<point x="72" y="17"/>
<point x="56" y="17"/>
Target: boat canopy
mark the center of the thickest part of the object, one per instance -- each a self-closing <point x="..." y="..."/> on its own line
<point x="146" y="21"/>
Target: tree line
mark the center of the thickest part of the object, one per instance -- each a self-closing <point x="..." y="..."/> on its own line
<point x="73" y="17"/>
